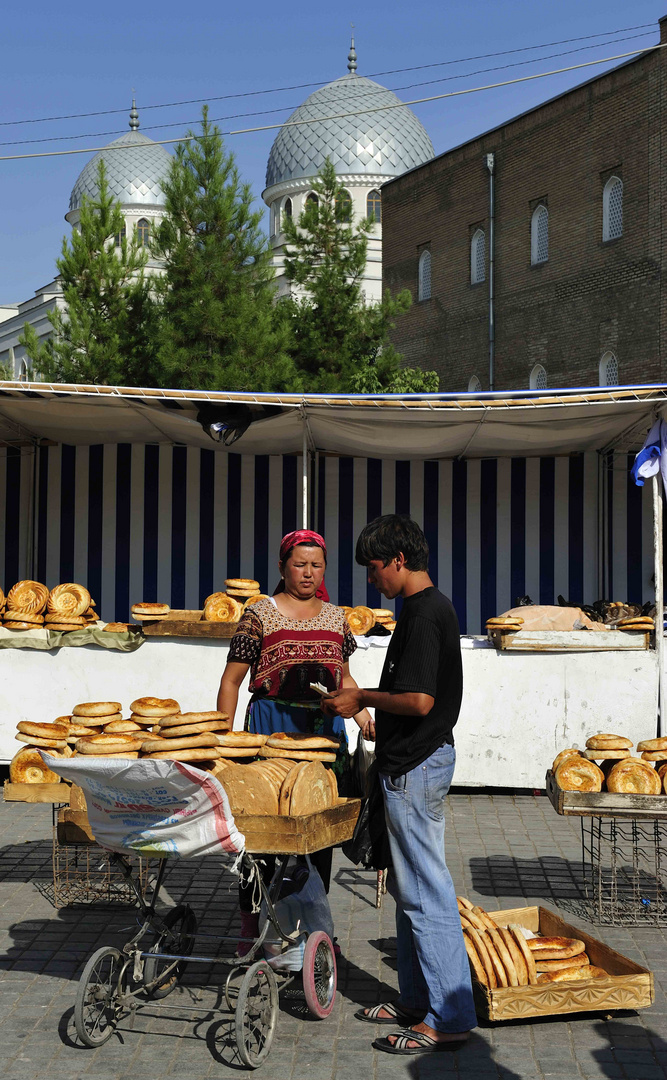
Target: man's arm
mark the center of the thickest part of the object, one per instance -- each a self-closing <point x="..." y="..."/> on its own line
<point x="349" y="701"/>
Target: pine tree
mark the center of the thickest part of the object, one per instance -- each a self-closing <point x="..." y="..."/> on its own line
<point x="106" y="331"/>
<point x="218" y="329"/>
<point x="338" y="342"/>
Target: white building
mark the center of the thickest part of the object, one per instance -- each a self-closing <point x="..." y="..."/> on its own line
<point x="369" y="136"/>
<point x="136" y="167"/>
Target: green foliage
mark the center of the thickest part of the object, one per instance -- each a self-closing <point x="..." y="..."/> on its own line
<point x="105" y="333"/>
<point x="6" y="373"/>
<point x="218" y="330"/>
<point x="338" y="342"/>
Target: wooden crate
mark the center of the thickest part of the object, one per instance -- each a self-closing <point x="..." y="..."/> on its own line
<point x="268" y="834"/>
<point x="628" y="985"/>
<point x="605" y="804"/>
<point x="36" y="793"/>
<point x="571" y="640"/>
<point x="188" y="623"/>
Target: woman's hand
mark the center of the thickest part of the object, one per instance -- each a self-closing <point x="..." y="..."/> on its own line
<point x="367" y="725"/>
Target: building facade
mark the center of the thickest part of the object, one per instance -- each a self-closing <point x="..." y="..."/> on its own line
<point x="368" y="135"/>
<point x="578" y="225"/>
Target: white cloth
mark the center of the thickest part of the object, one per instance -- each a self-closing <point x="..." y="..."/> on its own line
<point x="653" y="456"/>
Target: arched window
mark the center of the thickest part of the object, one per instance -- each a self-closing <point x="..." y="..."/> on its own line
<point x="608" y="370"/>
<point x="143" y="231"/>
<point x="275" y="217"/>
<point x="478" y="257"/>
<point x="287" y="209"/>
<point x="538" y="378"/>
<point x="539" y="235"/>
<point x="612" y="209"/>
<point x="374" y="206"/>
<point x="312" y="200"/>
<point x="119" y="237"/>
<point x="24" y="372"/>
<point x="474" y="385"/>
<point x="344" y="205"/>
<point x="425" y="275"/>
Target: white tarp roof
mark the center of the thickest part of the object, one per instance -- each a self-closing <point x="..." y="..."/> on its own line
<point x="521" y="423"/>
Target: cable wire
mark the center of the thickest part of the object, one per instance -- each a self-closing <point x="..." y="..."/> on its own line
<point x="343" y="116"/>
<point x="305" y="86"/>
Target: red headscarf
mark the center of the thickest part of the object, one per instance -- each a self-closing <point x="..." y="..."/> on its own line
<point x="312" y="539"/>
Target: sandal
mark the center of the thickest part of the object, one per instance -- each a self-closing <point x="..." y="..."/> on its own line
<point x="396" y="1014"/>
<point x="426" y="1045"/>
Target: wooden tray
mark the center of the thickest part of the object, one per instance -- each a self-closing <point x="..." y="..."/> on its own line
<point x="188" y="623"/>
<point x="299" y="835"/>
<point x="628" y="986"/>
<point x="605" y="804"/>
<point x="571" y="640"/>
<point x="263" y="834"/>
<point x="36" y="793"/>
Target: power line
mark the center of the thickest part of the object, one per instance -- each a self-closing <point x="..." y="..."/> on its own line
<point x="322" y="100"/>
<point x="306" y="86"/>
<point x="342" y="116"/>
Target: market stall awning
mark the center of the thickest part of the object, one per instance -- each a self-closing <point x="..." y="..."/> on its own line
<point x="520" y="423"/>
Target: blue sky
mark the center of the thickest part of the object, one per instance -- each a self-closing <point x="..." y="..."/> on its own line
<point x="79" y="58"/>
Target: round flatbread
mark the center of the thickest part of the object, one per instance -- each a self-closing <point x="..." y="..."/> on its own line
<point x="43" y="731"/>
<point x="186" y="742"/>
<point x="155" y="707"/>
<point x="564" y="754"/>
<point x="107" y="743"/>
<point x="67" y="600"/>
<point x="35" y="740"/>
<point x="52" y="618"/>
<point x="241" y="738"/>
<point x="34" y="618"/>
<point x="606" y="755"/>
<point x="389" y="626"/>
<point x="190" y="754"/>
<point x="254" y="598"/>
<point x="561" y="965"/>
<point x="222" y="608"/>
<point x="516" y="954"/>
<point x="27" y="767"/>
<point x="522" y="944"/>
<point x="498" y="966"/>
<point x="124" y="727"/>
<point x="242" y="595"/>
<point x="651" y="745"/>
<point x="192" y="729"/>
<point x="75" y="731"/>
<point x="484" y="957"/>
<point x="249" y="792"/>
<point x="241" y="583"/>
<point x="655" y="755"/>
<point x="96" y="708"/>
<point x="98" y="721"/>
<point x="608" y="742"/>
<point x="579" y="774"/>
<point x="217" y="767"/>
<point x="555" y="948"/>
<point x="283" y="740"/>
<point x="150" y="609"/>
<point x="11" y="624"/>
<point x="287" y="785"/>
<point x="296" y="755"/>
<point x="311" y="792"/>
<point x="360" y="620"/>
<point x="634" y="776"/>
<point x="236" y="751"/>
<point x="178" y="718"/>
<point x="571" y="975"/>
<point x="477" y="969"/>
<point x="27" y="596"/>
<point x="118" y="627"/>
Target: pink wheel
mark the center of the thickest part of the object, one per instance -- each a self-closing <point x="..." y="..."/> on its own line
<point x="319" y="974"/>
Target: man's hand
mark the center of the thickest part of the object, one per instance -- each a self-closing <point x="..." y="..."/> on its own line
<point x="345" y="703"/>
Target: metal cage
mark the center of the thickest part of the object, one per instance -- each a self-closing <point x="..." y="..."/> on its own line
<point x="625" y="870"/>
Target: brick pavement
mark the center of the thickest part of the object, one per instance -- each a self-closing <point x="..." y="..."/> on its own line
<point x="503" y="851"/>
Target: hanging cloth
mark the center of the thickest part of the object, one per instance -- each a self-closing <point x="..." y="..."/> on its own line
<point x="652" y="458"/>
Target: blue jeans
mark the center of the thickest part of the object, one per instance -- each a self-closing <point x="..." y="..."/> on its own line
<point x="433" y="970"/>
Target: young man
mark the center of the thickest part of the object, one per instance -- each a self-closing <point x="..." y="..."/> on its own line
<point x="416" y="707"/>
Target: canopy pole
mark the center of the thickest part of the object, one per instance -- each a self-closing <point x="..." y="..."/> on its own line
<point x="659" y="601"/>
<point x="304" y="474"/>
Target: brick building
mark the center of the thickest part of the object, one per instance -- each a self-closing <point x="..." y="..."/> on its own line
<point x="579" y="242"/>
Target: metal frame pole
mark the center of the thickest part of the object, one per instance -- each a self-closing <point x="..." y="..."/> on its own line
<point x="659" y="600"/>
<point x="304" y="475"/>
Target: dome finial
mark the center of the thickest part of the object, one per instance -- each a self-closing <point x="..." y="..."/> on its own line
<point x="352" y="56"/>
<point x="134" y="115"/>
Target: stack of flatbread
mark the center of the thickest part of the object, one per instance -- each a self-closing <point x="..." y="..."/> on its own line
<point x="384" y="617"/>
<point x="277" y="786"/>
<point x="619" y="771"/>
<point x="193" y="736"/>
<point x="149" y="612"/>
<point x="27" y="767"/>
<point x="300" y="747"/>
<point x="219" y="607"/>
<point x="504" y="624"/>
<point x="360" y="620"/>
<point x="25" y="606"/>
<point x="242" y="588"/>
<point x="510" y="956"/>
<point x="639" y="622"/>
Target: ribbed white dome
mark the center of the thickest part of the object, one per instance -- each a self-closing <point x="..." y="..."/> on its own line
<point x="134" y="174"/>
<point x="372" y="140"/>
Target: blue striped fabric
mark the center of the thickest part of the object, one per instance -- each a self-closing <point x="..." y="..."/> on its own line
<point x="170" y="523"/>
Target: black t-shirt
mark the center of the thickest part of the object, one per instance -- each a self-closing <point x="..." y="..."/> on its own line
<point x="424" y="657"/>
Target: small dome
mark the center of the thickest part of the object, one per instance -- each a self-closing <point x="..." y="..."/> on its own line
<point x="134" y="176"/>
<point x="376" y="142"/>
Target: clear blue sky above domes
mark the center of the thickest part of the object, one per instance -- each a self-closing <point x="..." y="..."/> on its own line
<point x="76" y="58"/>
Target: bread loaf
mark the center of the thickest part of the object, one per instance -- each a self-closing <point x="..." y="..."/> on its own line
<point x="27" y="767"/>
<point x="560" y="965"/>
<point x="555" y="948"/>
<point x="571" y="975"/>
<point x="97" y="708"/>
<point x="311" y="792"/>
<point x="155" y="707"/>
<point x="634" y="776"/>
<point x="249" y="792"/>
<point x="579" y="774"/>
<point x="285" y="740"/>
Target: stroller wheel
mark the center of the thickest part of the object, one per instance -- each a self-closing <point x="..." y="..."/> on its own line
<point x="99" y="996"/>
<point x="319" y="974"/>
<point x="256" y="1014"/>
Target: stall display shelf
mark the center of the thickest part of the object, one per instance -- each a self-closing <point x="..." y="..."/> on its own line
<point x="571" y="640"/>
<point x="188" y="623"/>
<point x="605" y="804"/>
<point x="625" y="870"/>
<point x="627" y="986"/>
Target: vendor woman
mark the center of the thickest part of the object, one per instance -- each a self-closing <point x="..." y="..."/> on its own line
<point x="289" y="641"/>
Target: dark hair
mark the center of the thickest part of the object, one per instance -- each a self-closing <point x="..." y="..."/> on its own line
<point x="385" y="537"/>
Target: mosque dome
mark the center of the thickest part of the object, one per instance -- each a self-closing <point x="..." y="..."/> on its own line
<point x="361" y="126"/>
<point x="134" y="175"/>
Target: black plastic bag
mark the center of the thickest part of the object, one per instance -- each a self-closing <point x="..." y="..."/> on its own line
<point x="369" y="846"/>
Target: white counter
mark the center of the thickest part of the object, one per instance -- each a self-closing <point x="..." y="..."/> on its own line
<point x="519" y="709"/>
